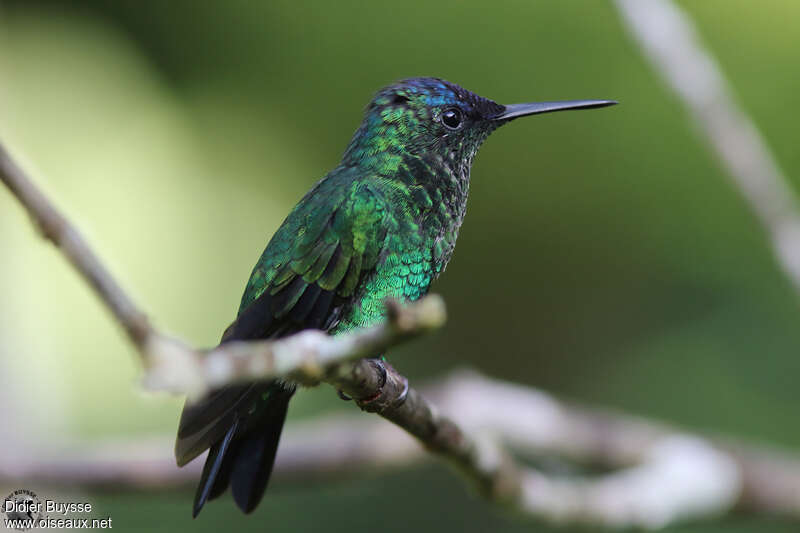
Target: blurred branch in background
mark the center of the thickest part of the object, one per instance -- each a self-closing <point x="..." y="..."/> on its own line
<point x="659" y="474"/>
<point x="670" y="41"/>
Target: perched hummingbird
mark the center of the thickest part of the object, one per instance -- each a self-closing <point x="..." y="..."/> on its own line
<point x="381" y="224"/>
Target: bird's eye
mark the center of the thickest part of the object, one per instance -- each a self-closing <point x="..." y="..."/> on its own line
<point x="452" y="118"/>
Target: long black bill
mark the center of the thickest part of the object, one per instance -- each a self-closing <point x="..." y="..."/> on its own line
<point x="535" y="108"/>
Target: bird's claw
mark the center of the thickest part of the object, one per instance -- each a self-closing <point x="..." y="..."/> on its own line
<point x="343" y="396"/>
<point x="379" y="362"/>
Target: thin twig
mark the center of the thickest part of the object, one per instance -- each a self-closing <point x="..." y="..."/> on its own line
<point x="308" y="357"/>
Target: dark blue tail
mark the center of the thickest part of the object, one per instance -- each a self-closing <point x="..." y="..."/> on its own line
<point x="244" y="457"/>
<point x="240" y="424"/>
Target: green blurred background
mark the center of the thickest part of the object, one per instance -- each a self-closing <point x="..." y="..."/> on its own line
<point x="605" y="256"/>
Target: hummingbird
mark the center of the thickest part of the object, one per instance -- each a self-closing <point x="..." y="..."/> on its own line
<point x="382" y="224"/>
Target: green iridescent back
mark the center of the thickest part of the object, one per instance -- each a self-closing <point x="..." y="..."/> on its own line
<point x="385" y="222"/>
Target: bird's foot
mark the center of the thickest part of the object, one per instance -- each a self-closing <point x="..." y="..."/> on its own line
<point x="379" y="401"/>
<point x="377" y="362"/>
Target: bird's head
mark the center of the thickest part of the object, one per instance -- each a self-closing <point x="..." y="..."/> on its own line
<point x="432" y="116"/>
